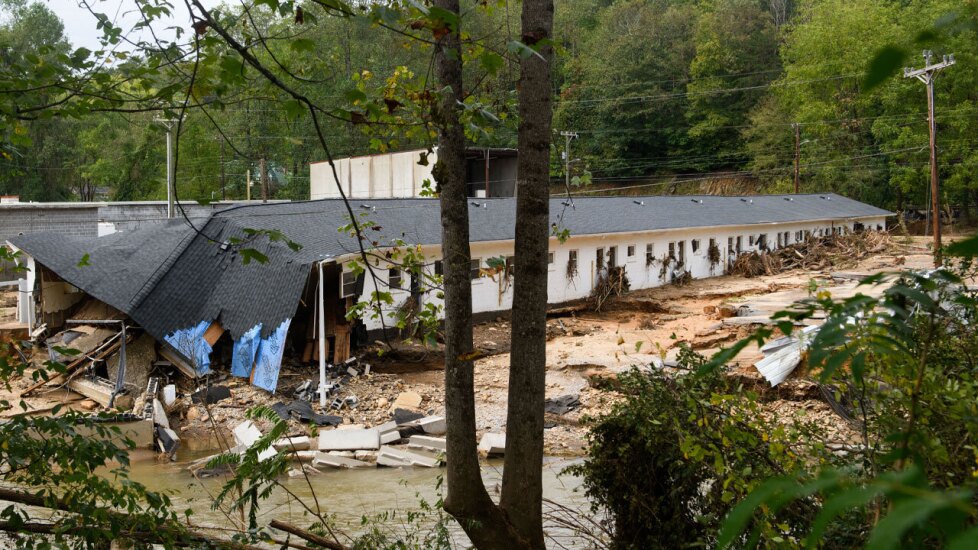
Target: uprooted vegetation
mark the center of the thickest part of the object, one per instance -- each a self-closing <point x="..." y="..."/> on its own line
<point x="814" y="254"/>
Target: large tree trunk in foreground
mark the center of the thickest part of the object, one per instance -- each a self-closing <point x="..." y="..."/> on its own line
<point x="517" y="521"/>
<point x="466" y="499"/>
<point x="522" y="492"/>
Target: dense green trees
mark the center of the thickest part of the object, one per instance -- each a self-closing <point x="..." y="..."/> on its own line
<point x="660" y="91"/>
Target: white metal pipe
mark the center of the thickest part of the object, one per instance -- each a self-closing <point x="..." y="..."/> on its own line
<point x="322" y="338"/>
<point x="169" y="171"/>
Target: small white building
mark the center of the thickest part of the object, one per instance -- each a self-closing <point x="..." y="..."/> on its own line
<point x="490" y="172"/>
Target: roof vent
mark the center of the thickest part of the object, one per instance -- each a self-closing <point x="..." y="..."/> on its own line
<point x="640" y="203"/>
<point x="567" y="203"/>
<point x="367" y="207"/>
<point x="825" y="197"/>
<point x="788" y="199"/>
<point x="748" y="201"/>
<point x="477" y="205"/>
<point x="697" y="201"/>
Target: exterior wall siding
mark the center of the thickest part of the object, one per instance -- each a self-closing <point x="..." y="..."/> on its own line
<point x="495" y="294"/>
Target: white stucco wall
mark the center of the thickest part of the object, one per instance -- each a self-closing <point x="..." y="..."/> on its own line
<point x="496" y="293"/>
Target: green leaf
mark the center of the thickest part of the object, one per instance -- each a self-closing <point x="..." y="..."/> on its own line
<point x="904" y="516"/>
<point x="885" y="64"/>
<point x="966" y="248"/>
<point x="491" y="62"/>
<point x="525" y="52"/>
<point x="84" y="260"/>
<point x="249" y="254"/>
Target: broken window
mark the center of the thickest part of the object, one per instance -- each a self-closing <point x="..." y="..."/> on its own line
<point x="572" y="261"/>
<point x="762" y="241"/>
<point x="394" y="278"/>
<point x="349" y="284"/>
<point x="681" y="250"/>
<point x="474" y="269"/>
<point x="599" y="258"/>
<point x="740" y="244"/>
<point x="631" y="250"/>
<point x="695" y="245"/>
<point x="613" y="256"/>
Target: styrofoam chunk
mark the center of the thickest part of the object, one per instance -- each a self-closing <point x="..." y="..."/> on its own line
<point x="169" y="394"/>
<point x="246" y="434"/>
<point x="434" y="425"/>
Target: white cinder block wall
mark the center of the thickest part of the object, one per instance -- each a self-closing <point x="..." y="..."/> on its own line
<point x="496" y="293"/>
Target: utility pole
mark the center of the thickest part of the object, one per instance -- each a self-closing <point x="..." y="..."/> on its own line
<point x="248" y="184"/>
<point x="168" y="124"/>
<point x="224" y="196"/>
<point x="568" y="136"/>
<point x="264" y="179"/>
<point x="927" y="75"/>
<point x="797" y="128"/>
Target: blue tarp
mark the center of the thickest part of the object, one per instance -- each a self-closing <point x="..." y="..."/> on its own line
<point x="269" y="360"/>
<point x="190" y="342"/>
<point x="245" y="349"/>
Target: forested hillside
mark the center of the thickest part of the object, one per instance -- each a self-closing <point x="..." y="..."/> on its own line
<point x="665" y="96"/>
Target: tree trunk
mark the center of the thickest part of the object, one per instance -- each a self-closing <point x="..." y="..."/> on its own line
<point x="467" y="499"/>
<point x="522" y="490"/>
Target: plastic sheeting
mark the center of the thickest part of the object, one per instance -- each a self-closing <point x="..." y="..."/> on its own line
<point x="191" y="344"/>
<point x="245" y="350"/>
<point x="268" y="362"/>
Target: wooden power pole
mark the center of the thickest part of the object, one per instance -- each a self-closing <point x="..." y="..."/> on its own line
<point x="797" y="128"/>
<point x="264" y="180"/>
<point x="927" y="75"/>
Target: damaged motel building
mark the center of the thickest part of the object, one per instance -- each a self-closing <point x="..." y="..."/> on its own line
<point x="191" y="294"/>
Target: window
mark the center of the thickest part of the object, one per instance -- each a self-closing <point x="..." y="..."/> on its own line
<point x="599" y="259"/>
<point x="762" y="241"/>
<point x="740" y="244"/>
<point x="730" y="245"/>
<point x="474" y="269"/>
<point x="799" y="235"/>
<point x="349" y="284"/>
<point x="631" y="250"/>
<point x="612" y="257"/>
<point x="649" y="254"/>
<point x="550" y="257"/>
<point x="439" y="268"/>
<point x="394" y="278"/>
<point x="681" y="249"/>
<point x="572" y="261"/>
<point x="695" y="244"/>
<point x="780" y="239"/>
<point x="672" y="251"/>
<point x="510" y="266"/>
<point x="750" y="241"/>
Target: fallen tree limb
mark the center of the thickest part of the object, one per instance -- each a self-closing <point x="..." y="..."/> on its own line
<point x="161" y="533"/>
<point x="306" y="535"/>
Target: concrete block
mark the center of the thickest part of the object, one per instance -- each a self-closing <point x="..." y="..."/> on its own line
<point x="434" y="425"/>
<point x="390" y="437"/>
<point x="288" y="444"/>
<point x="168" y="440"/>
<point x="349" y="440"/>
<point x="246" y="434"/>
<point x="434" y="444"/>
<point x="386" y="427"/>
<point x="391" y="456"/>
<point x="347" y="454"/>
<point x="159" y="414"/>
<point x="493" y="444"/>
<point x="327" y="459"/>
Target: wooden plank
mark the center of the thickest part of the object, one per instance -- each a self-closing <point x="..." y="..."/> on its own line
<point x="74" y="365"/>
<point x="342" y="347"/>
<point x="213" y="333"/>
<point x="173" y="356"/>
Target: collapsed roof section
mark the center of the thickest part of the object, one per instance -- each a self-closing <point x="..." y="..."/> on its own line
<point x="171" y="277"/>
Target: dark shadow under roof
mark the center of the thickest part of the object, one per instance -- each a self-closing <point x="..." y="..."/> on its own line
<point x="169" y="277"/>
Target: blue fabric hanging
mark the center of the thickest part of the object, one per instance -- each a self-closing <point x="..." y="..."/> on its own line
<point x="191" y="344"/>
<point x="245" y="349"/>
<point x="269" y="360"/>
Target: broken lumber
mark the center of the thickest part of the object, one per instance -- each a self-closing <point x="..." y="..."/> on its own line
<point x="100" y="391"/>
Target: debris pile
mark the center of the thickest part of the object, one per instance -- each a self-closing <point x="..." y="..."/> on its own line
<point x="813" y="254"/>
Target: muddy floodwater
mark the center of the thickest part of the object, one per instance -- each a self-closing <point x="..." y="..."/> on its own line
<point x="350" y="495"/>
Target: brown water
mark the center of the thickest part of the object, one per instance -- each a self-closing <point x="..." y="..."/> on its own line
<point x="350" y="495"/>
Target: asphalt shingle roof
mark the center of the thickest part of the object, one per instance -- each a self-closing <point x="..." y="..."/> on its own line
<point x="169" y="277"/>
